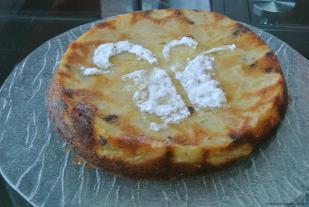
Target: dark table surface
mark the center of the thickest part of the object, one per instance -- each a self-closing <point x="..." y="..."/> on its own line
<point x="26" y="24"/>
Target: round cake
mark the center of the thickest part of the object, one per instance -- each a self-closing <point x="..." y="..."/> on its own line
<point x="167" y="93"/>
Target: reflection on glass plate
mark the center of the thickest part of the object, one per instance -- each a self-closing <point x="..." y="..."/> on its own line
<point x="37" y="163"/>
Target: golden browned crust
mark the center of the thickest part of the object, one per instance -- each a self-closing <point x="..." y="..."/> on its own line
<point x="73" y="113"/>
<point x="79" y="135"/>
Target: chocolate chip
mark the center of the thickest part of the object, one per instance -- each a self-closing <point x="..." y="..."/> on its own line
<point x="191" y="109"/>
<point x="169" y="137"/>
<point x="68" y="92"/>
<point x="252" y="65"/>
<point x="236" y="33"/>
<point x="67" y="66"/>
<point x="191" y="22"/>
<point x="178" y="13"/>
<point x="240" y="30"/>
<point x="268" y="70"/>
<point x="269" y="54"/>
<point x="102" y="140"/>
<point x="111" y="118"/>
<point x="233" y="137"/>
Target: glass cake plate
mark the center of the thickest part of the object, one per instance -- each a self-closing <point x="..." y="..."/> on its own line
<point x="38" y="164"/>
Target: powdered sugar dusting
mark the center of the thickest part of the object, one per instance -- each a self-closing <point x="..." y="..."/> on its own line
<point x="196" y="79"/>
<point x="103" y="53"/>
<point x="137" y="76"/>
<point x="188" y="41"/>
<point x="222" y="48"/>
<point x="157" y="127"/>
<point x="157" y="95"/>
<point x="93" y="71"/>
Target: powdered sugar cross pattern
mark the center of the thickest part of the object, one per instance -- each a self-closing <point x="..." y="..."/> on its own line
<point x="156" y="93"/>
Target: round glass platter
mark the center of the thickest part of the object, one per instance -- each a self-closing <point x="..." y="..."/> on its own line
<point x="38" y="164"/>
